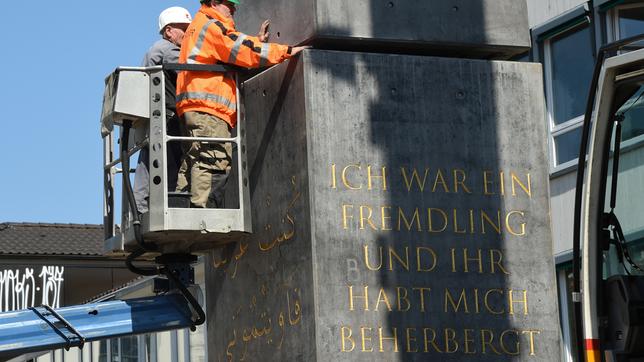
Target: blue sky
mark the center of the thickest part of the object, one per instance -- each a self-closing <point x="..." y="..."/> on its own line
<point x="55" y="59"/>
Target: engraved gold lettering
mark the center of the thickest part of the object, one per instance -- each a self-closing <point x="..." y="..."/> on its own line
<point x="453" y="252"/>
<point x="450" y="339"/>
<point x="421" y="294"/>
<point x="496" y="261"/>
<point x="347" y="337"/>
<point x="467" y="259"/>
<point x="367" y="218"/>
<point x="383" y="177"/>
<point x="440" y="179"/>
<point x="345" y="181"/>
<point x="517" y="181"/>
<point x="486" y="182"/>
<point x="456" y="230"/>
<point x="385" y="217"/>
<point x="297" y="309"/>
<point x="402" y="298"/>
<point x="415" y="217"/>
<point x="231" y="344"/>
<point x="522" y="224"/>
<point x="502" y="183"/>
<point x="531" y="334"/>
<point x="365" y="339"/>
<point x="485" y="218"/>
<point x="430" y="341"/>
<point x="393" y="338"/>
<point x="411" y="338"/>
<point x="487" y="341"/>
<point x="382" y="296"/>
<point x="504" y="347"/>
<point x="414" y="176"/>
<point x="333" y="177"/>
<point x="431" y="220"/>
<point x="523" y="301"/>
<point x="477" y="309"/>
<point x="281" y="323"/>
<point x="459" y="179"/>
<point x="467" y="341"/>
<point x="345" y="216"/>
<point x="471" y="221"/>
<point x="365" y="297"/>
<point x="366" y="258"/>
<point x="462" y="298"/>
<point x="393" y="255"/>
<point x="419" y="264"/>
<point x="486" y="301"/>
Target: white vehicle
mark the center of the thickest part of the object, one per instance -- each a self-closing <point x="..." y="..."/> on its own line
<point x="608" y="242"/>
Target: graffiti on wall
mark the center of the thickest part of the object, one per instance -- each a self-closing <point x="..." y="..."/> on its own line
<point x="22" y="289"/>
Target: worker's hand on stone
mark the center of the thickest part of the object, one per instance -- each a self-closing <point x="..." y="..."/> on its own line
<point x="263" y="31"/>
<point x="296" y="50"/>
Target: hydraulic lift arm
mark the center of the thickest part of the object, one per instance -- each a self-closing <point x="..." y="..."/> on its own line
<point x="42" y="328"/>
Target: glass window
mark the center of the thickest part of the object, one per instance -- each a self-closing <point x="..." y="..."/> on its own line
<point x="631" y="21"/>
<point x="625" y="21"/>
<point x="102" y="351"/>
<point x="568" y="69"/>
<point x="629" y="200"/>
<point x="572" y="68"/>
<point x="633" y="112"/>
<point x="566" y="307"/>
<point x="114" y="350"/>
<point x="129" y="349"/>
<point x="567" y="145"/>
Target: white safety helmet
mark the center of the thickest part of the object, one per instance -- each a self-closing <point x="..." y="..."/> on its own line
<point x="174" y="15"/>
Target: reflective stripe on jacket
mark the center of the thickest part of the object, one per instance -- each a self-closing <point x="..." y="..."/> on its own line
<point x="211" y="38"/>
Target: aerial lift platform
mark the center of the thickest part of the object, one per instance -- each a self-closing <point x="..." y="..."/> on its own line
<point x="134" y="107"/>
<point x="170" y="234"/>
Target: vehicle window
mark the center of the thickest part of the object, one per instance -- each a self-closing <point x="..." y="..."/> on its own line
<point x="629" y="197"/>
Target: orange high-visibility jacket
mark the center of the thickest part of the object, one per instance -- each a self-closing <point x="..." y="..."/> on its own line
<point x="211" y="38"/>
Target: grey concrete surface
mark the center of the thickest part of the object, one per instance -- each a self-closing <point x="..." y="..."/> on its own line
<point x="311" y="283"/>
<point x="474" y="28"/>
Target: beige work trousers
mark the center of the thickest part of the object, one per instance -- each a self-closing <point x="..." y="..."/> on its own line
<point x="203" y="162"/>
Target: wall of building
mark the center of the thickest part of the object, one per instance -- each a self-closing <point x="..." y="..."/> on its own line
<point x="540" y="11"/>
<point x="562" y="199"/>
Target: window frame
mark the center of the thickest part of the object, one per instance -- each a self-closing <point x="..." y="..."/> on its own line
<point x="563" y="298"/>
<point x="541" y="35"/>
<point x="579" y="23"/>
<point x="612" y="20"/>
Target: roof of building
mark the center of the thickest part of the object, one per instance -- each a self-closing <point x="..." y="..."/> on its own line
<point x="51" y="239"/>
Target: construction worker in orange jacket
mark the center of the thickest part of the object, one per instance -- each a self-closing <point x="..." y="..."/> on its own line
<point x="206" y="101"/>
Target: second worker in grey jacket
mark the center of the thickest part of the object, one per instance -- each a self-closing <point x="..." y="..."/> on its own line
<point x="173" y="23"/>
